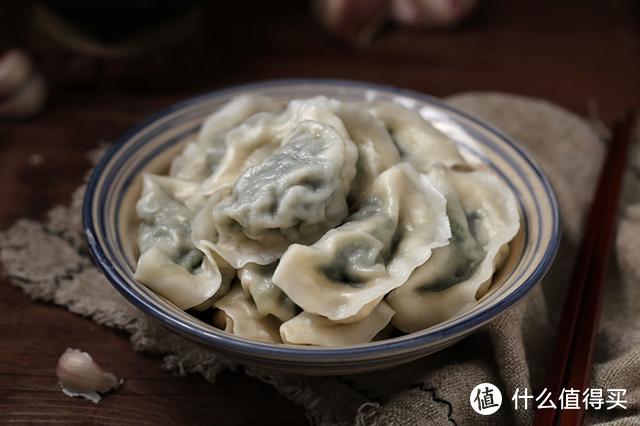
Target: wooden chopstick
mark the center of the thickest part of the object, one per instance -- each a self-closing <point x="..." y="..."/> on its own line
<point x="555" y="375"/>
<point x="574" y="344"/>
<point x="579" y="375"/>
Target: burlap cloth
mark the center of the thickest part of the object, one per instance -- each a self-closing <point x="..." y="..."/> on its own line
<point x="49" y="262"/>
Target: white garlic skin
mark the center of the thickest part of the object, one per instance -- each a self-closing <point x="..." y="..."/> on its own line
<point x="78" y="373"/>
<point x="15" y="70"/>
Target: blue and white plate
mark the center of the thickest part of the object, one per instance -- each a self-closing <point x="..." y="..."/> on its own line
<point x="111" y="225"/>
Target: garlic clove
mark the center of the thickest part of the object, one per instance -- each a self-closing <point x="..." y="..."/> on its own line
<point x="27" y="101"/>
<point x="15" y="70"/>
<point x="79" y="375"/>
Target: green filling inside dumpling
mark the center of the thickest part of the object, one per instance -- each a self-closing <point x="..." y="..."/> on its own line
<point x="457" y="261"/>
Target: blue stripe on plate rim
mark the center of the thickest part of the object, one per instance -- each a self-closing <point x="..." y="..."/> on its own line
<point x="405" y="345"/>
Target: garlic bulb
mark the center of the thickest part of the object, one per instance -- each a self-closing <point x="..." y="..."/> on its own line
<point x="27" y="101"/>
<point x="79" y="375"/>
<point x="15" y="70"/>
<point x="354" y="21"/>
<point x="358" y="21"/>
<point x="431" y="13"/>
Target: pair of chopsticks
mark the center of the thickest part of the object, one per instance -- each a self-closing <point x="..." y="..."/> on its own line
<point x="571" y="362"/>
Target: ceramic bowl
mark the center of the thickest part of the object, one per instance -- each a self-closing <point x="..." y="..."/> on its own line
<point x="111" y="225"/>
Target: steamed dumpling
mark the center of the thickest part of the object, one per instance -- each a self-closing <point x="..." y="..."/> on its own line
<point x="200" y="157"/>
<point x="376" y="150"/>
<point x="170" y="264"/>
<point x="258" y="137"/>
<point x="269" y="299"/>
<point x="309" y="329"/>
<point x="484" y="218"/>
<point x="418" y="141"/>
<point x="241" y="318"/>
<point x="185" y="288"/>
<point x="353" y="266"/>
<point x="295" y="195"/>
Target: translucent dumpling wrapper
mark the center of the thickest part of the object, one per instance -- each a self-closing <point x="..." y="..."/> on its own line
<point x="241" y="318"/>
<point x="484" y="219"/>
<point x="418" y="141"/>
<point x="186" y="192"/>
<point x="169" y="263"/>
<point x="376" y="150"/>
<point x="200" y="157"/>
<point x="309" y="329"/>
<point x="345" y="274"/>
<point x="295" y="195"/>
<point x="258" y="137"/>
<point x="201" y="229"/>
<point x="269" y="299"/>
<point x="165" y="218"/>
<point x="175" y="283"/>
<point x="227" y="272"/>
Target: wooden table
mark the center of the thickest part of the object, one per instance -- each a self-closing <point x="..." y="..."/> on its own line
<point x="570" y="53"/>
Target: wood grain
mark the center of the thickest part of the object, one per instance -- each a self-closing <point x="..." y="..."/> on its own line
<point x="568" y="52"/>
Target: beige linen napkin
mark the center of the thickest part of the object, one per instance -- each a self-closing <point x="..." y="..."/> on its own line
<point x="49" y="262"/>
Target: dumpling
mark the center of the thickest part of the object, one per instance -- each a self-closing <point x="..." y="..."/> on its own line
<point x="269" y="299"/>
<point x="418" y="141"/>
<point x="257" y="138"/>
<point x="186" y="289"/>
<point x="376" y="150"/>
<point x="309" y="329"/>
<point x="201" y="157"/>
<point x="484" y="219"/>
<point x="233" y="114"/>
<point x="169" y="263"/>
<point x="238" y="315"/>
<point x="227" y="273"/>
<point x="165" y="219"/>
<point x="202" y="228"/>
<point x="187" y="192"/>
<point x="294" y="195"/>
<point x="347" y="272"/>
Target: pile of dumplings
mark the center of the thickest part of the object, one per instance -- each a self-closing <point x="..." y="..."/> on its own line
<point x="322" y="222"/>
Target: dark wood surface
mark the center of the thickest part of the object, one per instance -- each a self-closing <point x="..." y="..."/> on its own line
<point x="569" y="52"/>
